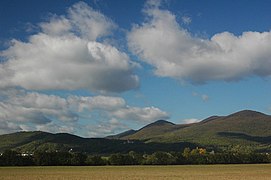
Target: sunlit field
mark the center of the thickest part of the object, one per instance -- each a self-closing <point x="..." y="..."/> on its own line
<point x="210" y="172"/>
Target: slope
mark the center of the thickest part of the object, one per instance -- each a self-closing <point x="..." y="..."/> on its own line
<point x="123" y="134"/>
<point x="29" y="142"/>
<point x="242" y="128"/>
<point x="154" y="130"/>
<point x="246" y="128"/>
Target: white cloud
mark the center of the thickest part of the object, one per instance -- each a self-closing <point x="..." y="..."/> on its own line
<point x="37" y="100"/>
<point x="186" y="19"/>
<point x="147" y="114"/>
<point x="174" y="52"/>
<point x="81" y="20"/>
<point x="113" y="126"/>
<point x="97" y="102"/>
<point x="35" y="108"/>
<point x="67" y="55"/>
<point x="203" y="97"/>
<point x="57" y="26"/>
<point x="117" y="108"/>
<point x="190" y="121"/>
<point x="89" y="23"/>
<point x="56" y="128"/>
<point x="8" y="127"/>
<point x="103" y="115"/>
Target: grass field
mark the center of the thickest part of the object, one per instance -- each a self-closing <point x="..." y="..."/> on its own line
<point x="210" y="172"/>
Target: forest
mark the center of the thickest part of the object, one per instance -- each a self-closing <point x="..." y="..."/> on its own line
<point x="187" y="156"/>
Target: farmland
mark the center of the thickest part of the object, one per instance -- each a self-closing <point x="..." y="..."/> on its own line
<point x="210" y="172"/>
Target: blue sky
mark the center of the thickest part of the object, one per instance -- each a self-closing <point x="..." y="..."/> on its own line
<point x="95" y="68"/>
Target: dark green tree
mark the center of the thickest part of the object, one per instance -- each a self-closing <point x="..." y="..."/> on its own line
<point x="161" y="158"/>
<point x="78" y="159"/>
<point x="95" y="161"/>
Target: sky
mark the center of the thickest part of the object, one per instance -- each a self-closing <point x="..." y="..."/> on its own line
<point x="99" y="67"/>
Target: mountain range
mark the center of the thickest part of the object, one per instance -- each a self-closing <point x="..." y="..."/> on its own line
<point x="241" y="127"/>
<point x="244" y="128"/>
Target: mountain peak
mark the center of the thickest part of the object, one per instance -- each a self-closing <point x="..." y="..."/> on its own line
<point x="161" y="122"/>
<point x="158" y="123"/>
<point x="154" y="129"/>
<point x="246" y="113"/>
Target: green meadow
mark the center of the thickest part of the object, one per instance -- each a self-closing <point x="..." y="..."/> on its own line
<point x="186" y="172"/>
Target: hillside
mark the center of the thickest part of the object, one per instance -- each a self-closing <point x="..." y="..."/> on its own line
<point x="154" y="130"/>
<point x="241" y="128"/>
<point x="123" y="134"/>
<point x="226" y="130"/>
<point x="245" y="128"/>
<point x="43" y="141"/>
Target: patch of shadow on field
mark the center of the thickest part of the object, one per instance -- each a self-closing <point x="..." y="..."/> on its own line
<point x="259" y="139"/>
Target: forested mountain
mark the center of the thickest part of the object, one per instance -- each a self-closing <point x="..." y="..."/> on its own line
<point x="37" y="141"/>
<point x="245" y="128"/>
<point x="248" y="128"/>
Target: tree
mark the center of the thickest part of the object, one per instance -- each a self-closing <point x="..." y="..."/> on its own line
<point x="43" y="159"/>
<point x="122" y="159"/>
<point x="161" y="158"/>
<point x="116" y="159"/>
<point x="186" y="152"/>
<point x="11" y="158"/>
<point x="95" y="161"/>
<point x="186" y="155"/>
<point x="180" y="159"/>
<point x="78" y="159"/>
<point x="137" y="158"/>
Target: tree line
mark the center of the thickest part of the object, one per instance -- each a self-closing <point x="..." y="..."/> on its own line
<point x="194" y="156"/>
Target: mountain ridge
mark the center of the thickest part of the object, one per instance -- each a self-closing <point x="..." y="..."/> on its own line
<point x="246" y="128"/>
<point x="208" y="131"/>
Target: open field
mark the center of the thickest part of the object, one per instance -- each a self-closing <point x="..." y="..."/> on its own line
<point x="210" y="172"/>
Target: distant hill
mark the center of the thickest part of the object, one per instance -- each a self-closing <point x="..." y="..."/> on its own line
<point x="249" y="128"/>
<point x="29" y="142"/>
<point x="123" y="134"/>
<point x="153" y="130"/>
<point x="244" y="128"/>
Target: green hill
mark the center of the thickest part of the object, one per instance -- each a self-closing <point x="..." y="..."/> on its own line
<point x="244" y="128"/>
<point x="29" y="142"/>
<point x="121" y="135"/>
<point x="154" y="130"/>
<point x="248" y="128"/>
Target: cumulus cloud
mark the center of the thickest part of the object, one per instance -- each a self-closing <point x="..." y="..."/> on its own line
<point x="174" y="52"/>
<point x="97" y="102"/>
<point x="105" y="129"/>
<point x="66" y="54"/>
<point x="54" y="127"/>
<point x="89" y="23"/>
<point x="36" y="108"/>
<point x="8" y="127"/>
<point x="186" y="19"/>
<point x="103" y="115"/>
<point x="117" y="108"/>
<point x="203" y="97"/>
<point x="190" y="121"/>
<point x="57" y="26"/>
<point x="147" y="114"/>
